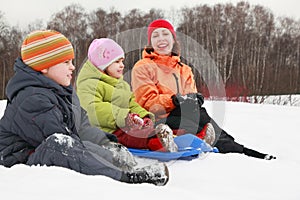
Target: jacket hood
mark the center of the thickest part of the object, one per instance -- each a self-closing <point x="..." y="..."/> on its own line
<point x="27" y="77"/>
<point x="89" y="71"/>
<point x="165" y="60"/>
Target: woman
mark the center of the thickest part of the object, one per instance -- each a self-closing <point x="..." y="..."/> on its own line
<point x="110" y="103"/>
<point x="165" y="86"/>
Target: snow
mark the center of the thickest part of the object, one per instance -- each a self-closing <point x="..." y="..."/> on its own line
<point x="62" y="139"/>
<point x="268" y="128"/>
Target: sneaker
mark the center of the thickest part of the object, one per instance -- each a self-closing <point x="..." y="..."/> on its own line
<point x="210" y="134"/>
<point x="157" y="174"/>
<point x="165" y="135"/>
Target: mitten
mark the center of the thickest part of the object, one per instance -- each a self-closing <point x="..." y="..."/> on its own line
<point x="133" y="121"/>
<point x="148" y="123"/>
<point x="196" y="97"/>
<point x="200" y="98"/>
<point x="177" y="99"/>
<point x="190" y="103"/>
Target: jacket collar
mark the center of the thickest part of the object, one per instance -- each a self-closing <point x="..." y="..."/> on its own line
<point x="92" y="71"/>
<point x="170" y="61"/>
<point x="25" y="76"/>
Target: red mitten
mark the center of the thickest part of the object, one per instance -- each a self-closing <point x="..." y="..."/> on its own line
<point x="148" y="123"/>
<point x="133" y="121"/>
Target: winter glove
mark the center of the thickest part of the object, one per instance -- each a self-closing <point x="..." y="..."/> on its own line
<point x="188" y="103"/>
<point x="148" y="123"/>
<point x="197" y="96"/>
<point x="177" y="99"/>
<point x="133" y="121"/>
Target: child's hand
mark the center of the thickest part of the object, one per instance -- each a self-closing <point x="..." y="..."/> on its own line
<point x="134" y="121"/>
<point x="148" y="123"/>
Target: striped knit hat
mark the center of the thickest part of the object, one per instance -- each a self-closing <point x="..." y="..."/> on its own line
<point x="43" y="49"/>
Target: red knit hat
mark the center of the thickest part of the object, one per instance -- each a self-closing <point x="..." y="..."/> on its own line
<point x="160" y="23"/>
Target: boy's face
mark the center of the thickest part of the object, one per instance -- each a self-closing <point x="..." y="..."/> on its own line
<point x="60" y="73"/>
<point x="116" y="69"/>
<point x="162" y="41"/>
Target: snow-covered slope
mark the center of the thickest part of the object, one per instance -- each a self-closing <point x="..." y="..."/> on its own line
<point x="267" y="128"/>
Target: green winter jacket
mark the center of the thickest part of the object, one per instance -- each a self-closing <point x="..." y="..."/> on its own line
<point x="107" y="100"/>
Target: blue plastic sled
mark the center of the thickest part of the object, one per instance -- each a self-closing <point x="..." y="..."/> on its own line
<point x="189" y="147"/>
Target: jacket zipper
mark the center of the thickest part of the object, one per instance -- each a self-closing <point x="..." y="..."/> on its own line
<point x="176" y="80"/>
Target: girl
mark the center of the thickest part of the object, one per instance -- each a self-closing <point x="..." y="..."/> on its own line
<point x="110" y="103"/>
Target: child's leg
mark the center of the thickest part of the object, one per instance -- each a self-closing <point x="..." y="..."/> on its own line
<point x="91" y="159"/>
<point x="135" y="138"/>
<point x="65" y="151"/>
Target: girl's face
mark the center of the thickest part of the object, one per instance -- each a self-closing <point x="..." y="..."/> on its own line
<point x="162" y="41"/>
<point x="60" y="73"/>
<point x="116" y="69"/>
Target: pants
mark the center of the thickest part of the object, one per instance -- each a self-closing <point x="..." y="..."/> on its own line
<point x="193" y="122"/>
<point x="69" y="152"/>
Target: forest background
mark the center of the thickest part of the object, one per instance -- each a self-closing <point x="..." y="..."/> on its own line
<point x="251" y="51"/>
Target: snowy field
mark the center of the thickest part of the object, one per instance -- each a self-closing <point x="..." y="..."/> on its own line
<point x="268" y="128"/>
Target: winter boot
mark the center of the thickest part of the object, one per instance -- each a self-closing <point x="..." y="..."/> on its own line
<point x="207" y="134"/>
<point x="165" y="135"/>
<point x="157" y="174"/>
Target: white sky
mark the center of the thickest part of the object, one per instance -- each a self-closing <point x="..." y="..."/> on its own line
<point x="19" y="12"/>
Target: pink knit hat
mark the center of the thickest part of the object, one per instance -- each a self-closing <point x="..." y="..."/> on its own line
<point x="160" y="23"/>
<point x="103" y="52"/>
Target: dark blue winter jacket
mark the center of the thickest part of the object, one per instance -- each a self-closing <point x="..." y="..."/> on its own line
<point x="37" y="108"/>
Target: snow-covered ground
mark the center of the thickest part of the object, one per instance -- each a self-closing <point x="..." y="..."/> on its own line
<point x="268" y="128"/>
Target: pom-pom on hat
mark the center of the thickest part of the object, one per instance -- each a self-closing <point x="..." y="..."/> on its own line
<point x="103" y="52"/>
<point x="45" y="48"/>
<point x="160" y="23"/>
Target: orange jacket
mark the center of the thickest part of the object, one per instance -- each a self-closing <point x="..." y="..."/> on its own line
<point x="154" y="82"/>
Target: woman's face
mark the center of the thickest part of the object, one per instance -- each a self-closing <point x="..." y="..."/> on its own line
<point x="162" y="41"/>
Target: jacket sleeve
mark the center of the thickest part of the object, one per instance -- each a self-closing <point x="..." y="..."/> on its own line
<point x="37" y="118"/>
<point x="109" y="115"/>
<point x="137" y="108"/>
<point x="101" y="113"/>
<point x="90" y="133"/>
<point x="147" y="93"/>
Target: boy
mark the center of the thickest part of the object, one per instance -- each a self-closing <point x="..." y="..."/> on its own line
<point x="44" y="123"/>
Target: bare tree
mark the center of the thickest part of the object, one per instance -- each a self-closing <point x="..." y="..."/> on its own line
<point x="133" y="36"/>
<point x="96" y="21"/>
<point x="72" y="22"/>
